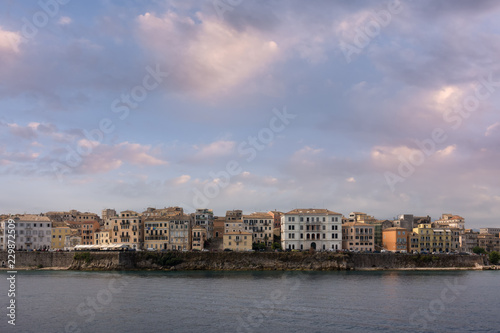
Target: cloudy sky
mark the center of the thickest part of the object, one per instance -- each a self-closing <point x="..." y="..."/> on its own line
<point x="380" y="107"/>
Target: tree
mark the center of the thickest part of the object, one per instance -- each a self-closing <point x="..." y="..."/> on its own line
<point x="478" y="250"/>
<point x="258" y="246"/>
<point x="276" y="246"/>
<point x="494" y="257"/>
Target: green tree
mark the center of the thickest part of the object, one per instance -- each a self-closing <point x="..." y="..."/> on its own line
<point x="258" y="246"/>
<point x="494" y="257"/>
<point x="276" y="246"/>
<point x="478" y="250"/>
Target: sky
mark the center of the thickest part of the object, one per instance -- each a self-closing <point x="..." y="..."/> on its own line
<point x="383" y="107"/>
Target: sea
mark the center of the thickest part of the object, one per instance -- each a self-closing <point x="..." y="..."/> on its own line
<point x="252" y="301"/>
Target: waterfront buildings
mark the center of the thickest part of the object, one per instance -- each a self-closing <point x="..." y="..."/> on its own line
<point x="103" y="237"/>
<point x="261" y="226"/>
<point x="59" y="232"/>
<point x="395" y="239"/>
<point x="199" y="236"/>
<point x="277" y="222"/>
<point x="468" y="240"/>
<point x="219" y="226"/>
<point x="127" y="228"/>
<point x="413" y="242"/>
<point x="317" y="229"/>
<point x="33" y="232"/>
<point x="358" y="236"/>
<point x="434" y="239"/>
<point x="205" y="218"/>
<point x="156" y="233"/>
<point x="488" y="242"/>
<point x="180" y="233"/>
<point x="234" y="221"/>
<point x="238" y="241"/>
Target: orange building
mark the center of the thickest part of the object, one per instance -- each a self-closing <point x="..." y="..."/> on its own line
<point x="395" y="239"/>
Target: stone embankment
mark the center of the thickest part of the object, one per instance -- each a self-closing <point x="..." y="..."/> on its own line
<point x="319" y="261"/>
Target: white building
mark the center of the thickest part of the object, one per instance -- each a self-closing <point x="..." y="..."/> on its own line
<point x="304" y="229"/>
<point x="33" y="232"/>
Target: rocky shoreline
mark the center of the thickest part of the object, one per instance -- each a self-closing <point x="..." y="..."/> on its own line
<point x="237" y="261"/>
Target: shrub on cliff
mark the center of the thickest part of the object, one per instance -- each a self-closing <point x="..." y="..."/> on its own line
<point x="84" y="256"/>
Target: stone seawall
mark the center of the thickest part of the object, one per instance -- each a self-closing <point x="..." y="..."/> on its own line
<point x="238" y="261"/>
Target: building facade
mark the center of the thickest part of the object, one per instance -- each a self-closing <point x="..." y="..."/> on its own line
<point x="59" y="232"/>
<point x="468" y="240"/>
<point x="205" y="218"/>
<point x="199" y="236"/>
<point x="156" y="233"/>
<point x="493" y="231"/>
<point x="358" y="237"/>
<point x="488" y="242"/>
<point x="451" y="221"/>
<point x="33" y="232"/>
<point x="128" y="229"/>
<point x="317" y="229"/>
<point x="238" y="241"/>
<point x="435" y="239"/>
<point x="180" y="233"/>
<point x="261" y="226"/>
<point x="219" y="226"/>
<point x="395" y="239"/>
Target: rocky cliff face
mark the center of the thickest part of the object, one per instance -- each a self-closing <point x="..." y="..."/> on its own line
<point x="237" y="261"/>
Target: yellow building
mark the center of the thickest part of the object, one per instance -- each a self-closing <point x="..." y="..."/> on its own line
<point x="238" y="241"/>
<point x="102" y="237"/>
<point x="395" y="239"/>
<point x="413" y="242"/>
<point x="128" y="229"/>
<point x="199" y="236"/>
<point x="434" y="240"/>
<point x="156" y="232"/>
<point x="59" y="233"/>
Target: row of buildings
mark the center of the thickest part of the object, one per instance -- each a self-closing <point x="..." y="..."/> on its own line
<point x="299" y="229"/>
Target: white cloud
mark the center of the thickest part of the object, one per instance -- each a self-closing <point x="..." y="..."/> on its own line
<point x="492" y="129"/>
<point x="208" y="57"/>
<point x="182" y="179"/>
<point x="9" y="41"/>
<point x="65" y="20"/>
<point x="214" y="149"/>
